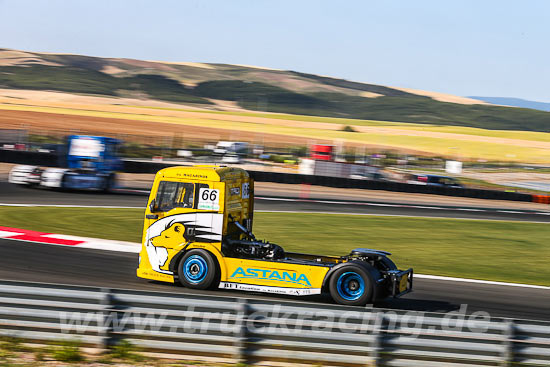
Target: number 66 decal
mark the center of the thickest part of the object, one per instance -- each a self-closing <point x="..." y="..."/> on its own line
<point x="209" y="195"/>
<point x="209" y="199"/>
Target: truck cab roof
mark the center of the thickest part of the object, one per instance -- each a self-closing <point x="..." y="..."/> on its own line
<point x="206" y="172"/>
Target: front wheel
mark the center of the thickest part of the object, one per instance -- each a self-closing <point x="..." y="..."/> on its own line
<point x="197" y="270"/>
<point x="352" y="285"/>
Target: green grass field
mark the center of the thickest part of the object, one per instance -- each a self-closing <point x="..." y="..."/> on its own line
<point x="464" y="149"/>
<point x="490" y="250"/>
<point x="508" y="134"/>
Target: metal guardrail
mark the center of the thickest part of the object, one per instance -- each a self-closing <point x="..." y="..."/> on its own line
<point x="267" y="331"/>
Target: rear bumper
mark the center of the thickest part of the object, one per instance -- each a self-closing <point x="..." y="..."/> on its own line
<point x="401" y="282"/>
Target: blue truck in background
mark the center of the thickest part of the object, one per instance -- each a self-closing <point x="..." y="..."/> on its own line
<point x="88" y="162"/>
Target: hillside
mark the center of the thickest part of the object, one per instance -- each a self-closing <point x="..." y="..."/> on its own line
<point x="516" y="102"/>
<point x="254" y="88"/>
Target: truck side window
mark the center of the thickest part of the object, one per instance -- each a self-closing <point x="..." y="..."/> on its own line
<point x="184" y="197"/>
<point x="175" y="195"/>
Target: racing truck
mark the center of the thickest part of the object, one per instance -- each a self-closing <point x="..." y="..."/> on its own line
<point x="198" y="232"/>
<point x="90" y="162"/>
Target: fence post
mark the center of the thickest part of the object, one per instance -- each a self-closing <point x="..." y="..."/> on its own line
<point x="508" y="345"/>
<point x="378" y="346"/>
<point x="106" y="326"/>
<point x="241" y="330"/>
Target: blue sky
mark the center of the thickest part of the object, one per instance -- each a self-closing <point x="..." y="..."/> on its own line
<point x="485" y="48"/>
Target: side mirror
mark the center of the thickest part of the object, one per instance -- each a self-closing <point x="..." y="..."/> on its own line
<point x="189" y="234"/>
<point x="153" y="206"/>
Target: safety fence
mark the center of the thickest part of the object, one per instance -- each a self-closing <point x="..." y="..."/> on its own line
<point x="231" y="329"/>
<point x="133" y="166"/>
<point x="139" y="166"/>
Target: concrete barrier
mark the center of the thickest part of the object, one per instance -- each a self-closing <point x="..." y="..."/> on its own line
<point x="139" y="166"/>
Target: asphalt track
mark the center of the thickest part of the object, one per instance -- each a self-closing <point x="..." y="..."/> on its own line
<point x="25" y="261"/>
<point x="13" y="194"/>
<point x="54" y="264"/>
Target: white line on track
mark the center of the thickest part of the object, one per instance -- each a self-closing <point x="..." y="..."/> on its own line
<point x="424" y="207"/>
<point x="74" y="206"/>
<point x="394" y="215"/>
<point x="133" y="190"/>
<point x="327" y="201"/>
<point x="399" y="205"/>
<point x="377" y="204"/>
<point x="279" y="211"/>
<point x="478" y="281"/>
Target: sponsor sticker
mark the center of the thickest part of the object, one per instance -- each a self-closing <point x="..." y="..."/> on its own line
<point x="245" y="190"/>
<point x="274" y="275"/>
<point x="403" y="283"/>
<point x="268" y="289"/>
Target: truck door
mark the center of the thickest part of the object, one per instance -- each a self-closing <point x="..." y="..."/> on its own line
<point x="169" y="222"/>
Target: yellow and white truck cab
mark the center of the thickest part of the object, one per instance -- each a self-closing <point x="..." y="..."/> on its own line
<point x="198" y="232"/>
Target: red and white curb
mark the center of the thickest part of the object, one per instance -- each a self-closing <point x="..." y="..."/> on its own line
<point x="67" y="240"/>
<point x="132" y="247"/>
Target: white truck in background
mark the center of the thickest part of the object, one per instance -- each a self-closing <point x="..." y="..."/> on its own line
<point x="231" y="151"/>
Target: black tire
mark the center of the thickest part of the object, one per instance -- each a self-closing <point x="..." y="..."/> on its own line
<point x="64" y="185"/>
<point x="108" y="183"/>
<point x="36" y="171"/>
<point x="352" y="284"/>
<point x="198" y="269"/>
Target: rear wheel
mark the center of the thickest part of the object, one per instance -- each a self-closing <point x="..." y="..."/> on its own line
<point x="197" y="269"/>
<point x="36" y="177"/>
<point x="351" y="284"/>
<point x="108" y="183"/>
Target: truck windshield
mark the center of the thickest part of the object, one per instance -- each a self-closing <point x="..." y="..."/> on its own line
<point x="174" y="195"/>
<point x="86" y="147"/>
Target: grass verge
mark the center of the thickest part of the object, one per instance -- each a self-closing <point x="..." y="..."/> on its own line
<point x="14" y="352"/>
<point x="491" y="250"/>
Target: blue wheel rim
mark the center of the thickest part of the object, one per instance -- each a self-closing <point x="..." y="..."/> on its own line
<point x="350" y="286"/>
<point x="195" y="269"/>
